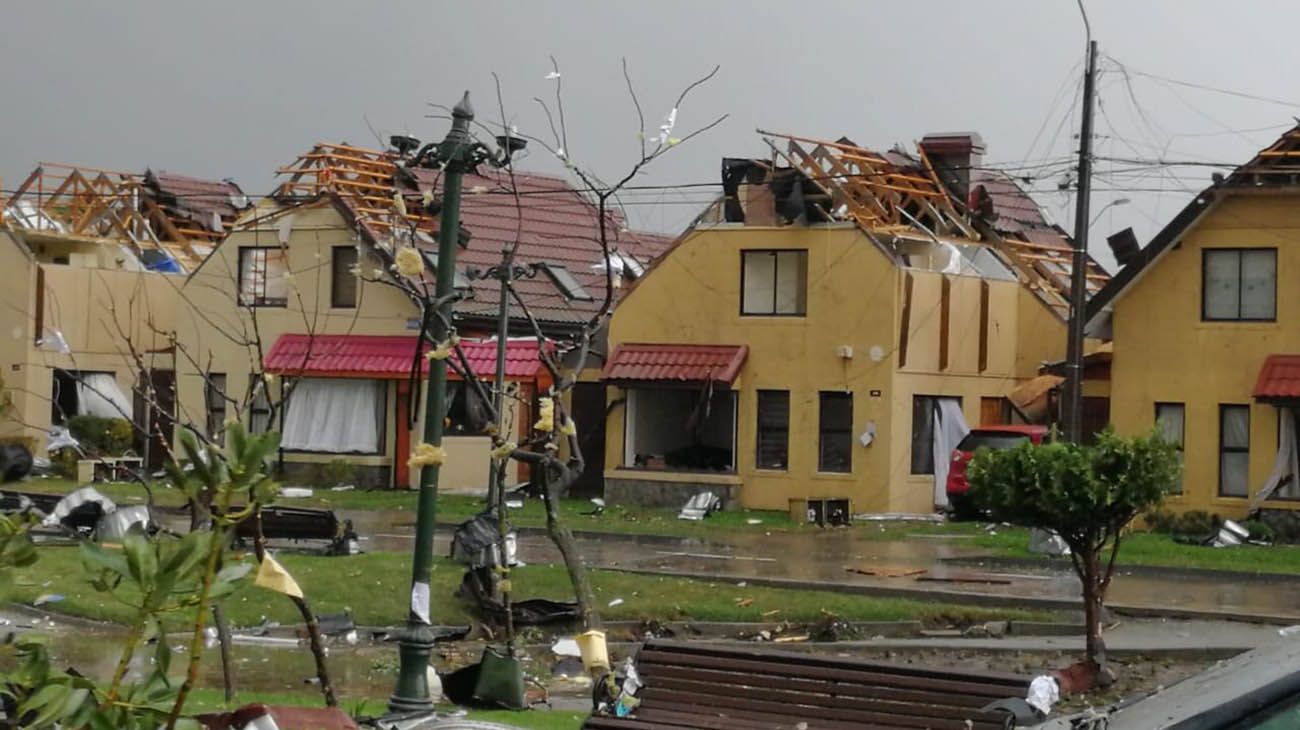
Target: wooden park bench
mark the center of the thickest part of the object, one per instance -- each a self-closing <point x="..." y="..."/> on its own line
<point x="301" y="523"/>
<point x="698" y="686"/>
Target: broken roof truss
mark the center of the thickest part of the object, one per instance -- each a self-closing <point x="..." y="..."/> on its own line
<point x="105" y="206"/>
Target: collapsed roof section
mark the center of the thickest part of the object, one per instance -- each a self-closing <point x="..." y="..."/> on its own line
<point x="557" y="228"/>
<point x="170" y="222"/>
<point x="936" y="209"/>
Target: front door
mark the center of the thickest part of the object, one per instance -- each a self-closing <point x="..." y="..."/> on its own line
<point x="589" y="416"/>
<point x="155" y="413"/>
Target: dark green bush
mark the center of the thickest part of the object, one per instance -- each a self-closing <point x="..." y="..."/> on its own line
<point x="1260" y="530"/>
<point x="102" y="436"/>
<point x="1192" y="522"/>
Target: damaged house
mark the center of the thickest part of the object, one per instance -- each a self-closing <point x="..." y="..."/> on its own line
<point x="1206" y="339"/>
<point x="829" y="328"/>
<point x="306" y="276"/>
<point x="95" y="260"/>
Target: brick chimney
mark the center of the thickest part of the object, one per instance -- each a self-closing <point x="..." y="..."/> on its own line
<point x="953" y="155"/>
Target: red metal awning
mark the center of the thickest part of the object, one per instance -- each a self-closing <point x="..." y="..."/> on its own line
<point x="1279" y="379"/>
<point x="675" y="363"/>
<point x="388" y="357"/>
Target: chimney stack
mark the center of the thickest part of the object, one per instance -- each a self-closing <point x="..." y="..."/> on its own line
<point x="954" y="155"/>
<point x="1124" y="245"/>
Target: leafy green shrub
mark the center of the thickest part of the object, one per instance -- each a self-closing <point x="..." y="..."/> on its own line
<point x="1191" y="522"/>
<point x="338" y="471"/>
<point x="1260" y="530"/>
<point x="102" y="436"/>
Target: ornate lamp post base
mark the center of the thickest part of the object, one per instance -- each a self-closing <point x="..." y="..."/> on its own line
<point x="415" y="646"/>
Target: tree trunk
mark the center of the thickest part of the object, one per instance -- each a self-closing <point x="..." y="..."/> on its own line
<point x="1095" y="647"/>
<point x="563" y="539"/>
<point x="227" y="663"/>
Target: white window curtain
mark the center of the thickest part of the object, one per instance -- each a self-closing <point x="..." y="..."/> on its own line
<point x="949" y="429"/>
<point x="335" y="416"/>
<point x="98" y="395"/>
<point x="1282" y="483"/>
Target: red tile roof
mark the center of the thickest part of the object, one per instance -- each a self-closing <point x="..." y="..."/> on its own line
<point x="387" y="356"/>
<point x="1279" y="378"/>
<point x="675" y="363"/>
<point x="552" y="221"/>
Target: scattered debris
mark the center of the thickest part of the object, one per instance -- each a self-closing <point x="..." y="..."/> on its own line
<point x="899" y="517"/>
<point x="700" y="506"/>
<point x="43" y="599"/>
<point x="515" y="503"/>
<point x="1230" y="534"/>
<point x="296" y="492"/>
<point x="566" y="647"/>
<point x="343" y="488"/>
<point x="599" y="508"/>
<point x="616" y="602"/>
<point x="744" y="602"/>
<point x="988" y="629"/>
<point x="1047" y="542"/>
<point x="985" y="579"/>
<point x="753" y="521"/>
<point x="790" y="639"/>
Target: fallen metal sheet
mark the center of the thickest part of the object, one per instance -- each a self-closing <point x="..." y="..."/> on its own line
<point x="700" y="506"/>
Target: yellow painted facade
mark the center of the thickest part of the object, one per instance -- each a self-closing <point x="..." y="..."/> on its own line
<point x="210" y="313"/>
<point x="1164" y="352"/>
<point x="93" y="304"/>
<point x="856" y="297"/>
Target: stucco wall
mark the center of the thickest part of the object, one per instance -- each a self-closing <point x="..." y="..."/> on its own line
<point x="1165" y="353"/>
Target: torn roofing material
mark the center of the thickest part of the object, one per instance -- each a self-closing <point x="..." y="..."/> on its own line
<point x="184" y="217"/>
<point x="553" y="222"/>
<point x="938" y="195"/>
<point x="1272" y="168"/>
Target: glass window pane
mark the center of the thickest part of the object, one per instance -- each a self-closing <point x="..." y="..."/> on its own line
<point x="773" y="429"/>
<point x="343" y="283"/>
<point x="1169" y="416"/>
<point x="1236" y="427"/>
<point x="791" y="281"/>
<point x="1258" y="284"/>
<point x="1222" y="282"/>
<point x="1233" y="469"/>
<point x="922" y="434"/>
<point x="759" y="281"/>
<point x="835" y="417"/>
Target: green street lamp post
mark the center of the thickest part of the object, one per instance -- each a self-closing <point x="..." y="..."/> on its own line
<point x="456" y="154"/>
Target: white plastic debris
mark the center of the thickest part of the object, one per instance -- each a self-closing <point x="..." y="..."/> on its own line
<point x="1289" y="631"/>
<point x="753" y="521"/>
<point x="566" y="647"/>
<point x="1047" y="542"/>
<point x="295" y="492"/>
<point x="61" y="438"/>
<point x="515" y="503"/>
<point x="616" y="602"/>
<point x="552" y="76"/>
<point x="210" y="637"/>
<point x="75" y="500"/>
<point x="343" y="488"/>
<point x="1043" y="693"/>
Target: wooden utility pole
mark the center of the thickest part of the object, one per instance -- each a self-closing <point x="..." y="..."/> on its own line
<point x="1072" y="400"/>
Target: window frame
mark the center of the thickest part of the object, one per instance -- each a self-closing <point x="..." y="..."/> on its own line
<point x="259" y="404"/>
<point x="1224" y="408"/>
<point x="216" y="396"/>
<point x="776" y="276"/>
<point x="260" y="301"/>
<point x="1182" y="435"/>
<point x="822" y="431"/>
<point x="335" y="275"/>
<point x="760" y="429"/>
<point x="1205" y="271"/>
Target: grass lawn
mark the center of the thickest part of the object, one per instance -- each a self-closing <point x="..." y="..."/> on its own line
<point x="212" y="700"/>
<point x="1012" y="542"/>
<point x="373" y="587"/>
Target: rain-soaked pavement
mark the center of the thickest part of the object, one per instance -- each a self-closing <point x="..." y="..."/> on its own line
<point x="844" y="556"/>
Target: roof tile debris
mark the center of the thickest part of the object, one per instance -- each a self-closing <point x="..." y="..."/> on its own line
<point x="631" y="362"/>
<point x="552" y="221"/>
<point x="388" y="356"/>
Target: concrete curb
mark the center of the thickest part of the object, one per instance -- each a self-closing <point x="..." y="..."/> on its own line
<point x="1138" y="570"/>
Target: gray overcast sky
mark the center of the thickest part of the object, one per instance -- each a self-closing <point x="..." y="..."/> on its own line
<point x="235" y="88"/>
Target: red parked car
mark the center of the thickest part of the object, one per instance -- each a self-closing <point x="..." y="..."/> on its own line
<point x="992" y="437"/>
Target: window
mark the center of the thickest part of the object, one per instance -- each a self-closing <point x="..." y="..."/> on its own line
<point x="259" y="405"/>
<point x="835" y="432"/>
<point x="343" y="283"/>
<point x="773" y="429"/>
<point x="1239" y="284"/>
<point x="214" y="394"/>
<point x="923" y="433"/>
<point x="262" y="281"/>
<point x="335" y="416"/>
<point x="774" y="283"/>
<point x="1234" y="450"/>
<point x="1171" y="418"/>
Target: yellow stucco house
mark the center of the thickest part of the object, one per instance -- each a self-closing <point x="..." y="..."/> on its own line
<point x="812" y="334"/>
<point x="1207" y="341"/>
<point x="93" y="262"/>
<point x="303" y="293"/>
